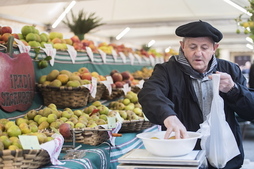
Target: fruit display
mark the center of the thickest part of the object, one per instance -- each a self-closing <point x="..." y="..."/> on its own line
<point x="10" y="130"/>
<point x="121" y="78"/>
<point x="128" y="107"/>
<point x="67" y="78"/>
<point x="144" y="73"/>
<point x="31" y="36"/>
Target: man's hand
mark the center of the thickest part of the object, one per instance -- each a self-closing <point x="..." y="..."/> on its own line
<point x="172" y="123"/>
<point x="226" y="82"/>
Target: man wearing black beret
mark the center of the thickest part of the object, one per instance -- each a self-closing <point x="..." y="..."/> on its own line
<point x="179" y="93"/>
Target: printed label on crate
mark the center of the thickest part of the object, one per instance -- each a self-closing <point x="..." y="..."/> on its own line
<point x="72" y="52"/>
<point x="22" y="47"/>
<point x="29" y="142"/>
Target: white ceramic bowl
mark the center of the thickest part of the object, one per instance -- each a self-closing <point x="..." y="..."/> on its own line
<point x="168" y="147"/>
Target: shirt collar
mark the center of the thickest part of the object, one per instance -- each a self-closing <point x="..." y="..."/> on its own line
<point x="186" y="67"/>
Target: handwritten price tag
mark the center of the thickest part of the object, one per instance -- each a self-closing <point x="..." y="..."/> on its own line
<point x="50" y="51"/>
<point x="138" y="57"/>
<point x="114" y="54"/>
<point x="103" y="55"/>
<point x="72" y="52"/>
<point x="89" y="53"/>
<point x="29" y="142"/>
<point x="122" y="56"/>
<point x="131" y="56"/>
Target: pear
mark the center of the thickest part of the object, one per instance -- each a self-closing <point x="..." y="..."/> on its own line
<point x="9" y="124"/>
<point x="31" y="114"/>
<point x="100" y="122"/>
<point x="42" y="119"/>
<point x="80" y="125"/>
<point x="6" y="141"/>
<point x="33" y="127"/>
<point x="97" y="103"/>
<point x="43" y="125"/>
<point x="103" y="116"/>
<point x="123" y="114"/>
<point x="14" y="130"/>
<point x="138" y="111"/>
<point x="20" y="120"/>
<point x="51" y="118"/>
<point x="130" y="106"/>
<point x="46" y="111"/>
<point x="78" y="112"/>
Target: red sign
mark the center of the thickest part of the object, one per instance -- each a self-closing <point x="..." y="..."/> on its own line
<point x="17" y="82"/>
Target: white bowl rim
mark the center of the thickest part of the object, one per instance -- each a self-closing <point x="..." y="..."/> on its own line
<point x="140" y="135"/>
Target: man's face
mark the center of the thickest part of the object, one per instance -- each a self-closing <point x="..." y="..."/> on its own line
<point x="198" y="51"/>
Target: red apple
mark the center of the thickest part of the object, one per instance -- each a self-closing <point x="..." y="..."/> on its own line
<point x="85" y="42"/>
<point x="65" y="130"/>
<point x="77" y="45"/>
<point x="113" y="71"/>
<point x="5" y="29"/>
<point x="5" y="37"/>
<point x="126" y="75"/>
<point x="15" y="35"/>
<point x="75" y="39"/>
<point x="119" y="84"/>
<point x="117" y="77"/>
<point x="127" y="81"/>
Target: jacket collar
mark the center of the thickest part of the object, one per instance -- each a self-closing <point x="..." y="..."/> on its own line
<point x="186" y="67"/>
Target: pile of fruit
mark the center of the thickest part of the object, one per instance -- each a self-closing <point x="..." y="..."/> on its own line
<point x="144" y="73"/>
<point x="128" y="107"/>
<point x="31" y="36"/>
<point x="10" y="130"/>
<point x="58" y="78"/>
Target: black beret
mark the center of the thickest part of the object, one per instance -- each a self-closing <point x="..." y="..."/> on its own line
<point x="199" y="29"/>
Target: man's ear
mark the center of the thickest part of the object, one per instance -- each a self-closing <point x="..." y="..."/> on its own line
<point x="182" y="44"/>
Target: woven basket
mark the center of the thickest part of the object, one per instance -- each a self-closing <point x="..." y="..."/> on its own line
<point x="23" y="159"/>
<point x="115" y="94"/>
<point x="135" y="126"/>
<point x="62" y="97"/>
<point x="135" y="89"/>
<point x="90" y="136"/>
<point x="100" y="90"/>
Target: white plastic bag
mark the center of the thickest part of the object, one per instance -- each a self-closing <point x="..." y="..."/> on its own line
<point x="218" y="140"/>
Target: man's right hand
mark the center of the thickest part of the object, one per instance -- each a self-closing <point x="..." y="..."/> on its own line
<point x="173" y="124"/>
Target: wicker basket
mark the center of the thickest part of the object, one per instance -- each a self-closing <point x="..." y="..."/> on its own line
<point x="135" y="126"/>
<point x="115" y="94"/>
<point x="23" y="159"/>
<point x="90" y="136"/>
<point x="100" y="90"/>
<point x="62" y="97"/>
<point x="135" y="89"/>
